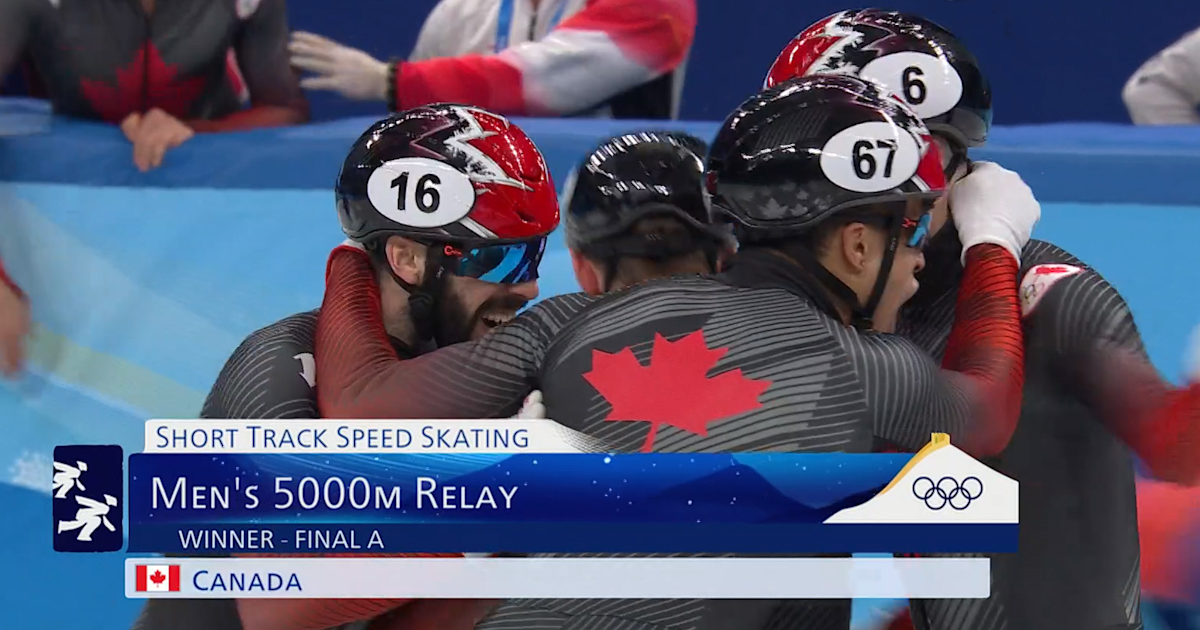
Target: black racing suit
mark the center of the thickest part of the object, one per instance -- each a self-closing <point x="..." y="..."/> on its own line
<point x="270" y="376"/>
<point x="757" y="341"/>
<point x="106" y="59"/>
<point x="1078" y="564"/>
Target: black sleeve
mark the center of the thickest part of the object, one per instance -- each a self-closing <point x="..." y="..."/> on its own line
<point x="910" y="397"/>
<point x="189" y="614"/>
<point x="275" y="95"/>
<point x="487" y="378"/>
<point x="263" y="56"/>
<point x="1069" y="314"/>
<point x="1081" y="322"/>
<point x="17" y="20"/>
<point x="271" y="375"/>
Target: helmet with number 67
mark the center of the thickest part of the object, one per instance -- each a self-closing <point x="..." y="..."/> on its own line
<point x="799" y="161"/>
<point x="914" y="58"/>
<point x="794" y="155"/>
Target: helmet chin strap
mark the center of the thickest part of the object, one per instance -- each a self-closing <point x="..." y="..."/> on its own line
<point x="425" y="298"/>
<point x="862" y="315"/>
<point x="864" y="318"/>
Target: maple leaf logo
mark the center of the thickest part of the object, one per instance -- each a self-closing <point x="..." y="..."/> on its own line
<point x="157" y="577"/>
<point x="675" y="388"/>
<point x="145" y="82"/>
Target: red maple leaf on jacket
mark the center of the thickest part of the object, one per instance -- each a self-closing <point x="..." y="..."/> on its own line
<point x="674" y="388"/>
<point x="144" y="83"/>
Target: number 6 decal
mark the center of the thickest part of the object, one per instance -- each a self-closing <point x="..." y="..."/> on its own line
<point x="871" y="157"/>
<point x="420" y="192"/>
<point x="929" y="84"/>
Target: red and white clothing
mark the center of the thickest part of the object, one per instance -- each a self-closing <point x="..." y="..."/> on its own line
<point x="619" y="58"/>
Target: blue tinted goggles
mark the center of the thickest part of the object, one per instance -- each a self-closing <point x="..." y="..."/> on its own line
<point x="509" y="263"/>
<point x="916" y="231"/>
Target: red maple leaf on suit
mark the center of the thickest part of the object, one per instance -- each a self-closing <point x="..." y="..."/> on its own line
<point x="144" y="83"/>
<point x="157" y="577"/>
<point x="674" y="389"/>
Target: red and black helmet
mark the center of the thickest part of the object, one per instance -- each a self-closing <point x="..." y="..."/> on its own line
<point x="446" y="173"/>
<point x="914" y="58"/>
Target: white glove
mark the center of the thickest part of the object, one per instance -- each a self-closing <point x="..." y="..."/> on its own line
<point x="347" y="71"/>
<point x="533" y="409"/>
<point x="993" y="205"/>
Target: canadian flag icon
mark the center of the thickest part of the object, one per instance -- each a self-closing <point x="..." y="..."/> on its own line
<point x="157" y="577"/>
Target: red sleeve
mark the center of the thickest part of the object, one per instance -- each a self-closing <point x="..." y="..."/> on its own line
<point x="7" y="281"/>
<point x="603" y="50"/>
<point x="1159" y="421"/>
<point x="987" y="345"/>
<point x="361" y="377"/>
<point x="902" y="621"/>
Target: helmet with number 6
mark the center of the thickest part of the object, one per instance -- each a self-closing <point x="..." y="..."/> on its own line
<point x="914" y="58"/>
<point x="447" y="174"/>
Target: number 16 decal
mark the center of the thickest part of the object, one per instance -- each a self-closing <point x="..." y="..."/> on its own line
<point x="420" y="192"/>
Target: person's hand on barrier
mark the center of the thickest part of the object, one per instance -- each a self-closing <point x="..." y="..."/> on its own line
<point x="130" y="125"/>
<point x="994" y="205"/>
<point x="14" y="328"/>
<point x="347" y="71"/>
<point x="153" y="134"/>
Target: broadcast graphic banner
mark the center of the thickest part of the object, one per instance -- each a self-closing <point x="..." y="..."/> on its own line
<point x="568" y="578"/>
<point x="939" y="500"/>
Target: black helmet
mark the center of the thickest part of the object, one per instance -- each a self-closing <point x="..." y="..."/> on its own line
<point x="807" y="149"/>
<point x="910" y="56"/>
<point x="632" y="177"/>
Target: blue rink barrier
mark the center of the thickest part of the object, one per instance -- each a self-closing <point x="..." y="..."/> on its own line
<point x="142" y="284"/>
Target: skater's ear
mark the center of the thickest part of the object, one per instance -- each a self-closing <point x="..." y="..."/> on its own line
<point x="406" y="258"/>
<point x="587" y="274"/>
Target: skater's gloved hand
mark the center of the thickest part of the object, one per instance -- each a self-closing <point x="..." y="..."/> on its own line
<point x="348" y="71"/>
<point x="533" y="409"/>
<point x="993" y="205"/>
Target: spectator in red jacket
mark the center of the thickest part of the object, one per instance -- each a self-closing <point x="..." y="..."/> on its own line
<point x="618" y="58"/>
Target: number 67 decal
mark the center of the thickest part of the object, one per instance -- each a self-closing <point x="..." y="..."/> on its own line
<point x="420" y="192"/>
<point x="864" y="162"/>
<point x="871" y="157"/>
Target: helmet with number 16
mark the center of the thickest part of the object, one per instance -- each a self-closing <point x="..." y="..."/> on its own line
<point x="455" y="203"/>
<point x="914" y="58"/>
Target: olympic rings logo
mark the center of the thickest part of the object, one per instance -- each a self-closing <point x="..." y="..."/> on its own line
<point x="947" y="491"/>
